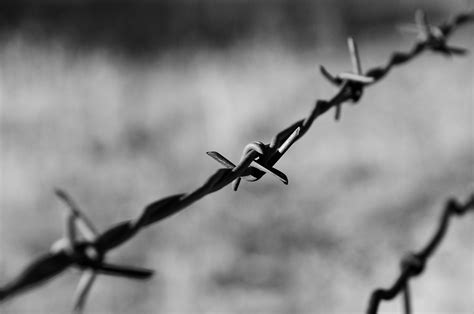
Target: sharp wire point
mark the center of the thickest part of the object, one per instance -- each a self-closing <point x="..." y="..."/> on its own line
<point x="337" y="114"/>
<point x="422" y="22"/>
<point x="71" y="230"/>
<point x="289" y="141"/>
<point x="458" y="50"/>
<point x="355" y="58"/>
<point x="221" y="159"/>
<point x="124" y="271"/>
<point x="86" y="227"/>
<point x="327" y="75"/>
<point x="236" y="183"/>
<point x="83" y="288"/>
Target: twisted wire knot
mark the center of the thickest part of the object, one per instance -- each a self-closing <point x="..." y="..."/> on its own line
<point x="86" y="255"/>
<point x="434" y="37"/>
<point x="412" y="263"/>
<point x="351" y="83"/>
<point x="354" y="90"/>
<point x="262" y="158"/>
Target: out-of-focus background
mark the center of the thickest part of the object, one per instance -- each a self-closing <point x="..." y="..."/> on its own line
<point x="117" y="102"/>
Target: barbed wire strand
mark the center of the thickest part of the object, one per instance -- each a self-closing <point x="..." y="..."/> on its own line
<point x="413" y="264"/>
<point x="88" y="251"/>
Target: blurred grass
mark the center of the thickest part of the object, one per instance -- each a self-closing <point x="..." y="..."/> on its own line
<point x="118" y="135"/>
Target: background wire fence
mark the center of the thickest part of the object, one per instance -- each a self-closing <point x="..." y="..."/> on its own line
<point x="258" y="159"/>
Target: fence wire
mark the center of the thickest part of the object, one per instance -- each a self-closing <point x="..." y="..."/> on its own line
<point x="87" y="249"/>
<point x="414" y="263"/>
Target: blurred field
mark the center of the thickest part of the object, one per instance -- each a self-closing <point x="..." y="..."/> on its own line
<point x="362" y="192"/>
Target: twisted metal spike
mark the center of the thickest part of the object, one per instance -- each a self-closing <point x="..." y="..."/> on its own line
<point x="331" y="78"/>
<point x="435" y="36"/>
<point x="457" y="50"/>
<point x="71" y="234"/>
<point x="356" y="76"/>
<point x="407" y="298"/>
<point x="236" y="183"/>
<point x="221" y="159"/>
<point x="355" y="58"/>
<point x="277" y="173"/>
<point x="124" y="271"/>
<point x="422" y="24"/>
<point x="289" y="141"/>
<point x="337" y="112"/>
<point x="82" y="290"/>
<point x="85" y="225"/>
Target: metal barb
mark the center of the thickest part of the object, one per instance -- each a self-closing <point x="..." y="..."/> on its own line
<point x="334" y="80"/>
<point x="260" y="165"/>
<point x="289" y="141"/>
<point x="407" y="298"/>
<point x="351" y="82"/>
<point x="337" y="113"/>
<point x="82" y="290"/>
<point x="355" y="59"/>
<point x="356" y="76"/>
<point x="434" y="38"/>
<point x="422" y="24"/>
<point x="85" y="225"/>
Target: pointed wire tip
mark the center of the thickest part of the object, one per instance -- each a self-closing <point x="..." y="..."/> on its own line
<point x="328" y="75"/>
<point x="82" y="291"/>
<point x="355" y="58"/>
<point x="283" y="178"/>
<point x="297" y="131"/>
<point x="421" y="20"/>
<point x="420" y="16"/>
<point x="458" y="51"/>
<point x="337" y="114"/>
<point x="64" y="196"/>
<point x="325" y="72"/>
<point x="125" y="271"/>
<point x="59" y="192"/>
<point x="235" y="184"/>
<point x="221" y="159"/>
<point x="351" y="43"/>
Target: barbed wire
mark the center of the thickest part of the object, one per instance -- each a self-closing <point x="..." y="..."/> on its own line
<point x="414" y="263"/>
<point x="87" y="250"/>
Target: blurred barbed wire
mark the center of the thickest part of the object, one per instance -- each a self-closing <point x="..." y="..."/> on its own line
<point x="87" y="251"/>
<point x="413" y="264"/>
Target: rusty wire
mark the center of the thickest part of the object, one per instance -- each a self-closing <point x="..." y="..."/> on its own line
<point x="414" y="263"/>
<point x="88" y="251"/>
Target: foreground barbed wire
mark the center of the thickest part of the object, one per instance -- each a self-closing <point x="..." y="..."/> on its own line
<point x="414" y="263"/>
<point x="87" y="252"/>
